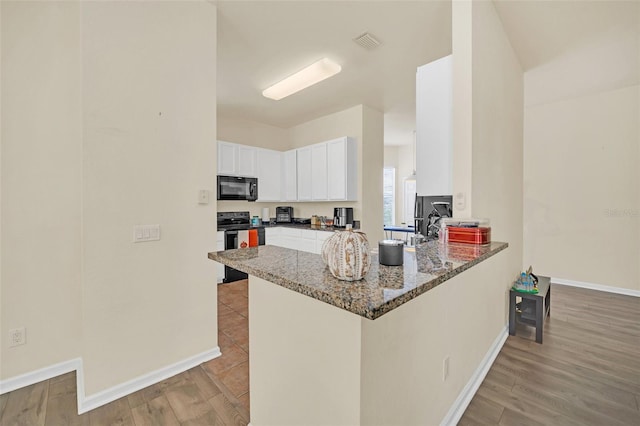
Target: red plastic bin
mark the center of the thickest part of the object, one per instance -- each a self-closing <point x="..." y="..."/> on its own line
<point x="479" y="235"/>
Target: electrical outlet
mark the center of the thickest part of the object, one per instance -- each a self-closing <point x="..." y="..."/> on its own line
<point x="17" y="336"/>
<point x="445" y="369"/>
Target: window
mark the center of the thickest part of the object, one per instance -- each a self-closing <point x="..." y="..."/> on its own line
<point x="388" y="194"/>
<point x="409" y="199"/>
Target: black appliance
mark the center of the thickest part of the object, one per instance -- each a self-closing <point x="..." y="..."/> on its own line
<point x="237" y="188"/>
<point x="428" y="211"/>
<point x="231" y="223"/>
<point x="342" y="216"/>
<point x="284" y="214"/>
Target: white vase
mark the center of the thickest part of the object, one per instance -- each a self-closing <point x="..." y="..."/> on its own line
<point x="347" y="254"/>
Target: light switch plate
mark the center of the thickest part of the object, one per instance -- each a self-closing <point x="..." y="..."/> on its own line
<point x="460" y="201"/>
<point x="144" y="233"/>
<point x="203" y="196"/>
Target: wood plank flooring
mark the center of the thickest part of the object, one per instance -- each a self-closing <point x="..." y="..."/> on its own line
<point x="213" y="393"/>
<point x="587" y="371"/>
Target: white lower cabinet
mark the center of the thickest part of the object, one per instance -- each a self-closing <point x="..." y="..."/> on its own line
<point x="219" y="246"/>
<point x="321" y="237"/>
<point x="273" y="237"/>
<point x="297" y="239"/>
<point x="307" y="241"/>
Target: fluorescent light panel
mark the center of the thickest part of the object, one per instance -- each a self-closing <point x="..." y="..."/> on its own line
<point x="304" y="78"/>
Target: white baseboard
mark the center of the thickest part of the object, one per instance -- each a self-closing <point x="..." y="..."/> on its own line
<point x="466" y="395"/>
<point x="599" y="287"/>
<point x="123" y="389"/>
<point x="40" y="375"/>
<point x="87" y="403"/>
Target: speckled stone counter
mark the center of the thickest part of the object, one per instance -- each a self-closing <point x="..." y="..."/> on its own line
<point x="384" y="288"/>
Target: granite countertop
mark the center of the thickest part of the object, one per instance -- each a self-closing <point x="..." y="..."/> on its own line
<point x="383" y="289"/>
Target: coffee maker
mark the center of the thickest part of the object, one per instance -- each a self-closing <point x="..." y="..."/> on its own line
<point x="342" y="216"/>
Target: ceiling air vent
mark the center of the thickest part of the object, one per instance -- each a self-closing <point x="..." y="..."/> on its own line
<point x="367" y="40"/>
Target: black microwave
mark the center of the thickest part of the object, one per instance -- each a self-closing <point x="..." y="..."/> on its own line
<point x="237" y="188"/>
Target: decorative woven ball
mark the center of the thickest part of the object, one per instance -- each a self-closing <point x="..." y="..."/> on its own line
<point x="346" y="253"/>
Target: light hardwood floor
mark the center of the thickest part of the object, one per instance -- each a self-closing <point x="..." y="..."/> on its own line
<point x="211" y="394"/>
<point x="587" y="371"/>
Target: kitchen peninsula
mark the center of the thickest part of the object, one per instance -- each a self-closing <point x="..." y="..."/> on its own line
<point x="325" y="351"/>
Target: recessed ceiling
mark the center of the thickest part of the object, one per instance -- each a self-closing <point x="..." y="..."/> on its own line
<point x="261" y="42"/>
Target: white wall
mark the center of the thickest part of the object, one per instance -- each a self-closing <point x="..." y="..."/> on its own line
<point x="497" y="132"/>
<point x="404" y="350"/>
<point x="296" y="339"/>
<point x="488" y="125"/>
<point x="108" y="120"/>
<point x="582" y="150"/>
<point x="41" y="183"/>
<point x="149" y="146"/>
<point x="252" y="133"/>
<point x="487" y="135"/>
<point x="372" y="158"/>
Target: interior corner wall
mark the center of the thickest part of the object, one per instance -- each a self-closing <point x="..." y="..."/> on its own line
<point x="41" y="158"/>
<point x="149" y="129"/>
<point x="582" y="203"/>
<point x="497" y="133"/>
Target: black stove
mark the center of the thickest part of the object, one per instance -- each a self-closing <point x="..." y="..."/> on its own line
<point x="231" y="223"/>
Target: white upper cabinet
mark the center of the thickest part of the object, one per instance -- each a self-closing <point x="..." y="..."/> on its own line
<point x="342" y="170"/>
<point x="269" y="173"/>
<point x="434" y="122"/>
<point x="304" y="173"/>
<point x="236" y="160"/>
<point x="227" y="158"/>
<point x="326" y="171"/>
<point x="319" y="172"/>
<point x="247" y="161"/>
<point x="289" y="176"/>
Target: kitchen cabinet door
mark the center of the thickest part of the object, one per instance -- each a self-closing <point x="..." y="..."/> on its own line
<point x="273" y="237"/>
<point x="269" y="173"/>
<point x="342" y="165"/>
<point x="434" y="122"/>
<point x="319" y="172"/>
<point x="227" y="158"/>
<point x="321" y="237"/>
<point x="246" y="161"/>
<point x="289" y="176"/>
<point x="236" y="160"/>
<point x="303" y="158"/>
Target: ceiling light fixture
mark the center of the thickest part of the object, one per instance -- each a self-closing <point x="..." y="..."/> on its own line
<point x="304" y="78"/>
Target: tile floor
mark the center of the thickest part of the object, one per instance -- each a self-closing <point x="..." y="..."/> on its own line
<point x="232" y="368"/>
